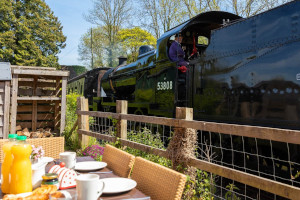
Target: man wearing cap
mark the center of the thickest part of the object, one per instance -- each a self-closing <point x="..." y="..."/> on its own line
<point x="176" y="52"/>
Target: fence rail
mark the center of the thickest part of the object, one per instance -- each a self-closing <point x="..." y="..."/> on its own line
<point x="274" y="134"/>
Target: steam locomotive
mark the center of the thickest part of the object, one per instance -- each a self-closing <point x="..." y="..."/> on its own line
<point x="245" y="71"/>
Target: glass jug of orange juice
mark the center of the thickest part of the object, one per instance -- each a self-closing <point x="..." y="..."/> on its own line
<point x="21" y="174"/>
<point x="8" y="158"/>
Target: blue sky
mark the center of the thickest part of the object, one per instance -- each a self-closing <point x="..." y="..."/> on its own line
<point x="70" y="14"/>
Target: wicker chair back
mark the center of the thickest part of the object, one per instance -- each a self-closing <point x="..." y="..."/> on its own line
<point x="118" y="161"/>
<point x="159" y="182"/>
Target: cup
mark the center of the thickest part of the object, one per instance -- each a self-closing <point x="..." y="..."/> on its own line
<point x="89" y="186"/>
<point x="69" y="158"/>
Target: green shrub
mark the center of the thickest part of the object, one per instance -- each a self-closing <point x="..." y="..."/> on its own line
<point x="71" y="137"/>
<point x="146" y="137"/>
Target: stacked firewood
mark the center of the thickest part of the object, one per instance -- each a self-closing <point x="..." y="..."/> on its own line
<point x="39" y="133"/>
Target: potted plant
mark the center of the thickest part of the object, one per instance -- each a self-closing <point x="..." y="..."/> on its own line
<point x="36" y="154"/>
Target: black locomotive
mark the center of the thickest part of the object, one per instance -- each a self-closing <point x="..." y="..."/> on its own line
<point x="247" y="73"/>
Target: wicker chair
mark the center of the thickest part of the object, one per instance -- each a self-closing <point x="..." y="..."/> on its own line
<point x="157" y="181"/>
<point x="52" y="146"/>
<point x="117" y="160"/>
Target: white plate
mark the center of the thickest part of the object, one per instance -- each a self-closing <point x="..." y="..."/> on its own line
<point x="90" y="165"/>
<point x="117" y="185"/>
<point x="23" y="194"/>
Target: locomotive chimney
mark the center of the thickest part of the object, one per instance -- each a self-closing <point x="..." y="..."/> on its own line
<point x="122" y="60"/>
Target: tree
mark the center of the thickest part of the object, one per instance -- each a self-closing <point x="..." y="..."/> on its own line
<point x="30" y="34"/>
<point x="111" y="15"/>
<point x="132" y="39"/>
<point x="247" y="8"/>
<point x="85" y="49"/>
<point x="194" y="8"/>
<point x="161" y="15"/>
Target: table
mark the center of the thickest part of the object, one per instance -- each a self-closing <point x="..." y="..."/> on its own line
<point x="134" y="193"/>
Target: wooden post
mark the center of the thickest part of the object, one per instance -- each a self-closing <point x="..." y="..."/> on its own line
<point x="56" y="105"/>
<point x="182" y="148"/>
<point x="6" y="109"/>
<point x="34" y="105"/>
<point x="83" y="120"/>
<point x="122" y="107"/>
<point x="14" y="104"/>
<point x="63" y="104"/>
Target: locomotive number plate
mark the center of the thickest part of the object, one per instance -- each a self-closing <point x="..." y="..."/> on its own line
<point x="165" y="85"/>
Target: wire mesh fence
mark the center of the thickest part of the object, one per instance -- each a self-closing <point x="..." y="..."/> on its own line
<point x="149" y="133"/>
<point x="273" y="160"/>
<point x="265" y="158"/>
<point x="103" y="125"/>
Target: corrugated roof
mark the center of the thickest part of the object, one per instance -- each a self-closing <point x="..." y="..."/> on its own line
<point x="5" y="72"/>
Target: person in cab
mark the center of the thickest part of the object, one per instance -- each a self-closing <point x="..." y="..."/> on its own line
<point x="177" y="54"/>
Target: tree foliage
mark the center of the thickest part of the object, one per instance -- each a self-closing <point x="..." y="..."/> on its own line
<point x="160" y="15"/>
<point x="192" y="8"/>
<point x="111" y="15"/>
<point x="132" y="39"/>
<point x="97" y="47"/>
<point x="30" y="34"/>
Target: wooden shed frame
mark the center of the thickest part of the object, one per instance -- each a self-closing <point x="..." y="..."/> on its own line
<point x="5" y="79"/>
<point x="59" y="97"/>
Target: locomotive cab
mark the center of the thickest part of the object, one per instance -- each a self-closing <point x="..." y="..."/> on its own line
<point x="196" y="34"/>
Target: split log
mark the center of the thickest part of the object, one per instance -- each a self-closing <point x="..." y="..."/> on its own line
<point x="41" y="130"/>
<point x="33" y="135"/>
<point x="26" y="132"/>
<point x="18" y="128"/>
<point x="47" y="133"/>
<point x="41" y="135"/>
<point x="19" y="132"/>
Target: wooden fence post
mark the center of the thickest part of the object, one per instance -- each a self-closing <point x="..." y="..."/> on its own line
<point x="83" y="120"/>
<point x="122" y="107"/>
<point x="182" y="148"/>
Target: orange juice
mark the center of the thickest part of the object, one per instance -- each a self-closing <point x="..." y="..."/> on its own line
<point x="21" y="174"/>
<point x="5" y="169"/>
